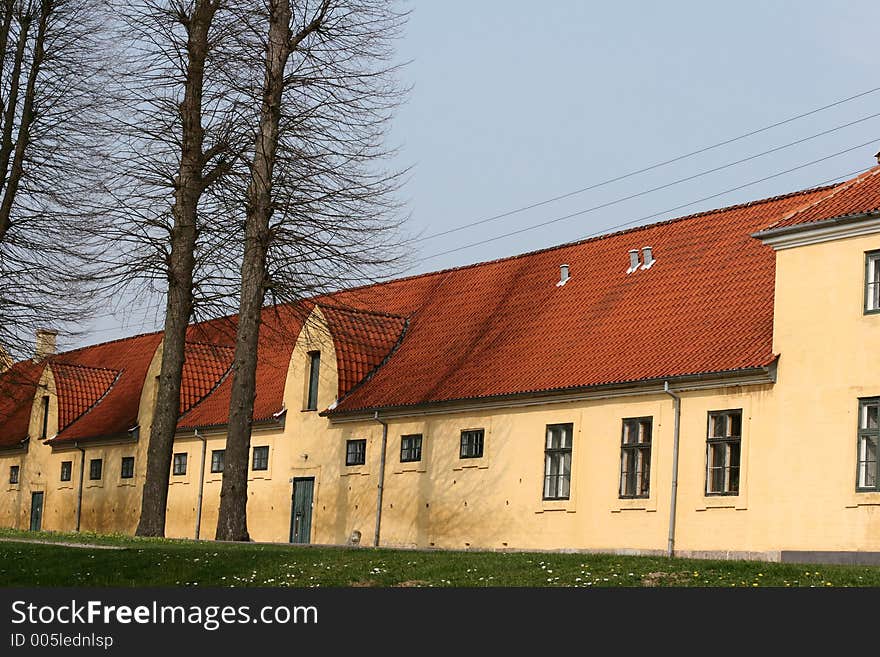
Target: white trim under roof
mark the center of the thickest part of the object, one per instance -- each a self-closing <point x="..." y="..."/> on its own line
<point x="827" y="230"/>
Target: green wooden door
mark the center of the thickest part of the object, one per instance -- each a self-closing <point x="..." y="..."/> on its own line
<point x="301" y="513"/>
<point x="36" y="511"/>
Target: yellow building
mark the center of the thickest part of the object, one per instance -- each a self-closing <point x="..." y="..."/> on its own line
<point x="705" y="386"/>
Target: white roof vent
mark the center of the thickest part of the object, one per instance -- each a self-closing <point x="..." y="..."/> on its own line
<point x="633" y="261"/>
<point x="647" y="257"/>
<point x="564" y="275"/>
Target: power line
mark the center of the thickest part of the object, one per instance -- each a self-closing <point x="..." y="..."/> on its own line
<point x="645" y="169"/>
<point x="582" y="212"/>
<point x="724" y="166"/>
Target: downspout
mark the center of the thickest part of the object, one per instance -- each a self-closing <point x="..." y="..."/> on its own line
<point x="381" y="478"/>
<point x="676" y="401"/>
<point x="201" y="483"/>
<point x="82" y="474"/>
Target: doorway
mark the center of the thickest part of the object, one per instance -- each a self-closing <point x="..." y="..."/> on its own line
<point x="36" y="511"/>
<point x="301" y="510"/>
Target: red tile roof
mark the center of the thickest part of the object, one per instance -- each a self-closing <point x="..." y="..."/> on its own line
<point x="203" y="368"/>
<point x="504" y="327"/>
<point x="278" y="334"/>
<point x="363" y="340"/>
<point x="79" y="388"/>
<point x="18" y="386"/>
<point x="858" y="196"/>
<point x="493" y="329"/>
<point x="117" y="411"/>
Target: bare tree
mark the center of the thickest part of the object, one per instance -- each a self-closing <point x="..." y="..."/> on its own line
<point x="319" y="210"/>
<point x="53" y="60"/>
<point x="175" y="126"/>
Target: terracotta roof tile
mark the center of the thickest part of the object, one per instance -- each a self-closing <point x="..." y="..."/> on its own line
<point x="117" y="411"/>
<point x="203" y="368"/>
<point x="18" y="385"/>
<point x="79" y="388"/>
<point x="278" y="334"/>
<point x="504" y="327"/>
<point x="860" y="195"/>
<point x="363" y="340"/>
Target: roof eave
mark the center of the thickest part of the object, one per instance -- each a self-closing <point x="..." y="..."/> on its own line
<point x="760" y="375"/>
<point x="822" y="230"/>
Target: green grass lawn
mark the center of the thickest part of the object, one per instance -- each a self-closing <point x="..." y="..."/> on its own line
<point x="161" y="562"/>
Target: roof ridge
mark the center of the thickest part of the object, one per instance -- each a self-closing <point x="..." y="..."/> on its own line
<point x="210" y="344"/>
<point x="596" y="238"/>
<point x="358" y="311"/>
<point x="115" y="340"/>
<point x="84" y="367"/>
<point x="837" y="189"/>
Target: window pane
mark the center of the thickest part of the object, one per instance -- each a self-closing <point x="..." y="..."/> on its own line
<point x="868" y="462"/>
<point x="645" y="431"/>
<point x="870" y="414"/>
<point x="718" y="427"/>
<point x="735" y="424"/>
<point x="630" y="432"/>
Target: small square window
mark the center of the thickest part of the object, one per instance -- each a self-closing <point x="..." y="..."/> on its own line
<point x="127" y="467"/>
<point x="217" y="458"/>
<point x="13" y="474"/>
<point x="261" y="458"/>
<point x="872" y="282"/>
<point x="472" y="444"/>
<point x="66" y="469"/>
<point x="355" y="452"/>
<point x="180" y="464"/>
<point x="95" y="468"/>
<point x="411" y="448"/>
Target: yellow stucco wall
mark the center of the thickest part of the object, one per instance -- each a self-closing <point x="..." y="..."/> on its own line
<point x="797" y="489"/>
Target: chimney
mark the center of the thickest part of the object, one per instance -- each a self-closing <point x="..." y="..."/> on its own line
<point x="633" y="261"/>
<point x="564" y="275"/>
<point x="647" y="257"/>
<point x="45" y="344"/>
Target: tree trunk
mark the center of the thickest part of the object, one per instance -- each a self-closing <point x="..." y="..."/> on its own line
<point x="189" y="186"/>
<point x="232" y="518"/>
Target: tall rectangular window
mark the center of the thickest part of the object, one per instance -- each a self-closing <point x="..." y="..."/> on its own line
<point x="557" y="461"/>
<point x="95" y="468"/>
<point x="869" y="436"/>
<point x="217" y="458"/>
<point x="127" y="467"/>
<point x="723" y="444"/>
<point x="179" y="464"/>
<point x="66" y="469"/>
<point x="260" y="460"/>
<point x="44" y="432"/>
<point x="472" y="441"/>
<point x="872" y="282"/>
<point x="411" y="448"/>
<point x="355" y="452"/>
<point x="314" y="371"/>
<point x="635" y="457"/>
<point x="13" y="474"/>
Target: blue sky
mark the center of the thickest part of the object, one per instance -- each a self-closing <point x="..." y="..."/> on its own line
<point x="514" y="102"/>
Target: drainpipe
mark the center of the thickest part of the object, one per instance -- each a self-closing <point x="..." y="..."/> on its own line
<point x="676" y="402"/>
<point x="82" y="473"/>
<point x="381" y="478"/>
<point x="201" y="483"/>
